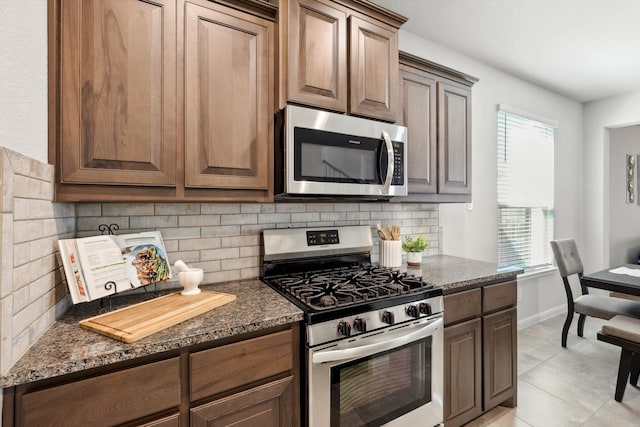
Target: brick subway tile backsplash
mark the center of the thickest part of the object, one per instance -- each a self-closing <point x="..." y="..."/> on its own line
<point x="224" y="238"/>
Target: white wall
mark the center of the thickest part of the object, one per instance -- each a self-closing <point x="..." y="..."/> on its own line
<point x="624" y="218"/>
<point x="473" y="233"/>
<point x="599" y="117"/>
<point x="23" y="77"/>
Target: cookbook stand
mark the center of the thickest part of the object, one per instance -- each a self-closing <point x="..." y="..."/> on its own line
<point x="105" y="307"/>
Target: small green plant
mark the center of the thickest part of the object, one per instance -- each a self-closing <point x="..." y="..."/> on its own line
<point x="418" y="244"/>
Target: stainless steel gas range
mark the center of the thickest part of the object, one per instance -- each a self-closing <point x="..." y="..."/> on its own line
<point x="373" y="336"/>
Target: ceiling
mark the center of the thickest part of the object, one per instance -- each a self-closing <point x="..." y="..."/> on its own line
<point x="584" y="49"/>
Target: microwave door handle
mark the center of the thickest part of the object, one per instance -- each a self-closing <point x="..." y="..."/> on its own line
<point x="390" y="162"/>
<point x="383" y="345"/>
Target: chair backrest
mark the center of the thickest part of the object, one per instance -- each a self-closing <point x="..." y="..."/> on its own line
<point x="566" y="253"/>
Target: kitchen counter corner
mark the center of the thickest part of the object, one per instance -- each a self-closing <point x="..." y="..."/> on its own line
<point x="67" y="348"/>
<point x="454" y="274"/>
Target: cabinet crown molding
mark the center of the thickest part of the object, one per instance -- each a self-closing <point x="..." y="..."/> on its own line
<point x="375" y="11"/>
<point x="441" y="70"/>
<point x="262" y="8"/>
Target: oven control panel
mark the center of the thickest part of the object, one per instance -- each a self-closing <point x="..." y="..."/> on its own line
<point x="322" y="237"/>
<point x="358" y="324"/>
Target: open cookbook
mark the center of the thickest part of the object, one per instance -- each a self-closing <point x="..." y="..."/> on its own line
<point x="99" y="266"/>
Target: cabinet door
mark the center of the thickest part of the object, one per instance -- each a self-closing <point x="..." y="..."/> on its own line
<point x="454" y="136"/>
<point x="317" y="52"/>
<point x="463" y="375"/>
<point x="373" y="68"/>
<point x="418" y="97"/>
<point x="500" y="357"/>
<point x="228" y="92"/>
<point x="270" y="405"/>
<point x="118" y="85"/>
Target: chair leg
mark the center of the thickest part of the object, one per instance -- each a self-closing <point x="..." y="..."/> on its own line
<point x="635" y="369"/>
<point x="623" y="373"/>
<point x="565" y="328"/>
<point x="581" y="320"/>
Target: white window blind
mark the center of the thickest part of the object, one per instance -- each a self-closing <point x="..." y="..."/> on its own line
<point x="525" y="191"/>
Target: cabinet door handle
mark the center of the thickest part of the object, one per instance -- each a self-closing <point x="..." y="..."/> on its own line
<point x="390" y="162"/>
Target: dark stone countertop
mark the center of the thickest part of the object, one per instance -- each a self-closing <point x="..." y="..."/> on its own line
<point x="455" y="274"/>
<point x="66" y="347"/>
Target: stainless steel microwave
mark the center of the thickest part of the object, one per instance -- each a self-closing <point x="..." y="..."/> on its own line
<point x="330" y="154"/>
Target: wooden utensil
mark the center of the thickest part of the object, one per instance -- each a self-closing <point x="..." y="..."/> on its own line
<point x="395" y="232"/>
<point x="381" y="233"/>
<point x="387" y="233"/>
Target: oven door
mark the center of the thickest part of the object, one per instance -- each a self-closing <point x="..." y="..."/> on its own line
<point x="390" y="378"/>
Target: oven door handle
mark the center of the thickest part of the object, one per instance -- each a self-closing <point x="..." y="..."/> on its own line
<point x="416" y="333"/>
<point x="390" y="162"/>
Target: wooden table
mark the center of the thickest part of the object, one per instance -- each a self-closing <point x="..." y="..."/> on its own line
<point x="614" y="282"/>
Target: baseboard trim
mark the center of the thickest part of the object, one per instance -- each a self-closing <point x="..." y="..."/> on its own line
<point x="540" y="317"/>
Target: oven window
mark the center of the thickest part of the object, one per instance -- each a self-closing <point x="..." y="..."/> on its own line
<point x="374" y="390"/>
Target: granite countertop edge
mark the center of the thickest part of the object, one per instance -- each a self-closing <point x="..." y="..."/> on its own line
<point x="67" y="348"/>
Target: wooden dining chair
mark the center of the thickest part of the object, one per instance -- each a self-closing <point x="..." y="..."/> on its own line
<point x="624" y="332"/>
<point x="569" y="263"/>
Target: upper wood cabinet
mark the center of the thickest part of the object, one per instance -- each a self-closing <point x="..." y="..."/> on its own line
<point x="435" y="104"/>
<point x="163" y="100"/>
<point x="317" y="50"/>
<point x="228" y="82"/>
<point x="373" y="65"/>
<point x="454" y="138"/>
<point x="339" y="55"/>
<point x="117" y="92"/>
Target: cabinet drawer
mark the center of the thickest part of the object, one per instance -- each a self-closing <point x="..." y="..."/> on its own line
<point x="170" y="421"/>
<point x="234" y="365"/>
<point x="462" y="305"/>
<point x="105" y="400"/>
<point x="501" y="295"/>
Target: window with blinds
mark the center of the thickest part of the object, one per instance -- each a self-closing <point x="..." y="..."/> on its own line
<point x="525" y="191"/>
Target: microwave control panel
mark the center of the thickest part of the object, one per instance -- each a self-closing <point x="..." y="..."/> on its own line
<point x="398" y="164"/>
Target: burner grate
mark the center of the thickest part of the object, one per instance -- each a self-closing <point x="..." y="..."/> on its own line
<point x="328" y="289"/>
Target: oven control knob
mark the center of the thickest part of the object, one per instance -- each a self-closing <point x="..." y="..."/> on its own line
<point x="344" y="328"/>
<point x="425" y="308"/>
<point x="387" y="317"/>
<point x="412" y="310"/>
<point x="360" y="324"/>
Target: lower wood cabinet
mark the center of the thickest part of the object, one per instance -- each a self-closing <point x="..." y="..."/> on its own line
<point x="104" y="400"/>
<point x="270" y="405"/>
<point x="480" y="351"/>
<point x="463" y="382"/>
<point x="253" y="381"/>
<point x="499" y="336"/>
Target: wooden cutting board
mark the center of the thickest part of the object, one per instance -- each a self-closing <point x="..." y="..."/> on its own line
<point x="140" y="320"/>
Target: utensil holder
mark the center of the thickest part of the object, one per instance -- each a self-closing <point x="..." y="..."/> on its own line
<point x="390" y="253"/>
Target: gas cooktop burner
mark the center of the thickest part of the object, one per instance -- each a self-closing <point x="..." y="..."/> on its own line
<point x="327" y="289"/>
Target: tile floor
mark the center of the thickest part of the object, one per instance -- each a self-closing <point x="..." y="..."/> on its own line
<point x="566" y="387"/>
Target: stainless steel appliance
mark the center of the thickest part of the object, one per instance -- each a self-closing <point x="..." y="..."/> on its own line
<point x="373" y="336"/>
<point x="329" y="154"/>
